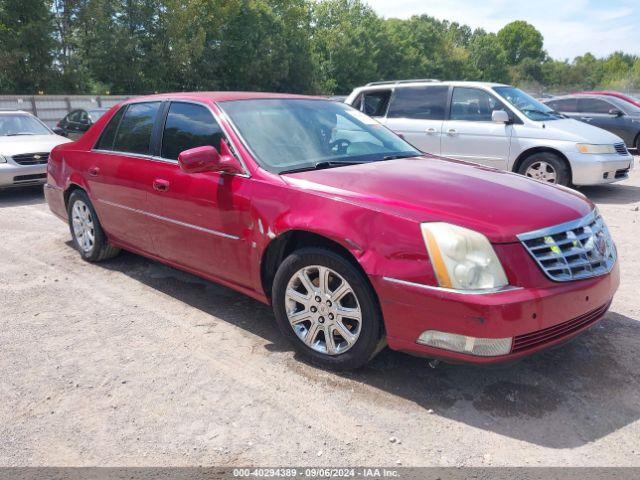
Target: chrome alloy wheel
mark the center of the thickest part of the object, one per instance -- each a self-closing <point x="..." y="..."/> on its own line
<point x="323" y="310"/>
<point x="542" y="171"/>
<point x="83" y="227"/>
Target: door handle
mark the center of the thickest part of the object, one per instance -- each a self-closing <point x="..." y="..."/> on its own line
<point x="93" y="171"/>
<point x="586" y="119"/>
<point x="160" y="185"/>
<point x="431" y="131"/>
<point x="452" y="132"/>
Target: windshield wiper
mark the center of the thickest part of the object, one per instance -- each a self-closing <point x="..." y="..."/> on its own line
<point x="401" y="155"/>
<point x="321" y="166"/>
<point x="18" y="134"/>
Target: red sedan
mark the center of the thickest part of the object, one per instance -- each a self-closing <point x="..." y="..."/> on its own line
<point x="356" y="239"/>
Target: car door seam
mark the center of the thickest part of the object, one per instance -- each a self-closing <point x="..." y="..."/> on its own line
<point x="171" y="220"/>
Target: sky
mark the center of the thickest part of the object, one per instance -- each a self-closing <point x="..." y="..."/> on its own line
<point x="570" y="27"/>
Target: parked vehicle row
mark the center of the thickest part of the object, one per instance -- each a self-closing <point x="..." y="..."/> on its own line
<point x="355" y="237"/>
<point x="77" y="122"/>
<point x="498" y="126"/>
<point x="25" y="143"/>
<point x="608" y="112"/>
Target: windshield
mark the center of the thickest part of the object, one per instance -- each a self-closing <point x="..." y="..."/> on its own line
<point x="13" y="125"/>
<point x="296" y="134"/>
<point x="528" y="105"/>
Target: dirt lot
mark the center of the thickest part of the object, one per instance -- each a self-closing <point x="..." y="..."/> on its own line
<point x="134" y="363"/>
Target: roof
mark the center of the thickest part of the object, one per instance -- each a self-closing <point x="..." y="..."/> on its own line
<point x="14" y="112"/>
<point x="219" y="96"/>
<point x="417" y="83"/>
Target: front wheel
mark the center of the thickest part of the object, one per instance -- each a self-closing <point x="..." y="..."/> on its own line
<point x="546" y="167"/>
<point x="327" y="309"/>
<point x="86" y="231"/>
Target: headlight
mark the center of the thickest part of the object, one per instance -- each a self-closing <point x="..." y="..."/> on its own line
<point x="3" y="159"/>
<point x="462" y="259"/>
<point x="595" y="149"/>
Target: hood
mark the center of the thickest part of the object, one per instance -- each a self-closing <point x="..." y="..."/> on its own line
<point x="496" y="203"/>
<point x="569" y="129"/>
<point x="21" y="144"/>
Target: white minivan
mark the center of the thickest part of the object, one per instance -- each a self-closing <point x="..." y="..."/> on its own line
<point x="495" y="125"/>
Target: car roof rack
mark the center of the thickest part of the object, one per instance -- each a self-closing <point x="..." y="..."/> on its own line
<point x="395" y="82"/>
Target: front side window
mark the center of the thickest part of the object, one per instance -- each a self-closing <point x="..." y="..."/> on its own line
<point x="14" y="125"/>
<point x="134" y="133"/>
<point x="594" y="105"/>
<point x="423" y="103"/>
<point x="292" y="134"/>
<point x="189" y="126"/>
<point x="473" y="104"/>
<point x="529" y="106"/>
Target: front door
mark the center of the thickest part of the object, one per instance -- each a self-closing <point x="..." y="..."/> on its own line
<point x="469" y="134"/>
<point x="199" y="220"/>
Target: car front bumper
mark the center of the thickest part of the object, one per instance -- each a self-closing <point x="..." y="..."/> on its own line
<point x="537" y="318"/>
<point x="589" y="169"/>
<point x="13" y="175"/>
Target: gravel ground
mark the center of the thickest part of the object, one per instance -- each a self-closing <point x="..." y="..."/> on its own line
<point x="132" y="363"/>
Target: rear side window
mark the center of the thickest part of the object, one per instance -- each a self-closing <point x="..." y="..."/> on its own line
<point x="593" y="105"/>
<point x="375" y="103"/>
<point x="189" y="126"/>
<point x="473" y="104"/>
<point x="425" y="103"/>
<point x="568" y="105"/>
<point x="134" y="133"/>
<point x="109" y="132"/>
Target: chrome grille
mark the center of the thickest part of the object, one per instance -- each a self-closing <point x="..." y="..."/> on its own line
<point x="621" y="149"/>
<point x="31" y="158"/>
<point x="573" y="250"/>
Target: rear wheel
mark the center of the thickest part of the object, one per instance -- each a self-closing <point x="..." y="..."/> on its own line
<point x="327" y="309"/>
<point x="546" y="167"/>
<point x="86" y="231"/>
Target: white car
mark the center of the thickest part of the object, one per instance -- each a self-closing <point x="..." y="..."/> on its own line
<point x="25" y="143"/>
<point x="495" y="125"/>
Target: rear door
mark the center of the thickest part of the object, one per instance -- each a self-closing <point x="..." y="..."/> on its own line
<point x="417" y="114"/>
<point x="119" y="174"/>
<point x="469" y="134"/>
<point x="199" y="219"/>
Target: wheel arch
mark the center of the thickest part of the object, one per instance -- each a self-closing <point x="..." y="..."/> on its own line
<point x="70" y="189"/>
<point x="531" y="151"/>
<point x="291" y="240"/>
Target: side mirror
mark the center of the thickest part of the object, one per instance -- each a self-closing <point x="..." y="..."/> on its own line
<point x="615" y="112"/>
<point x="500" y="116"/>
<point x="207" y="159"/>
<point x="59" y="131"/>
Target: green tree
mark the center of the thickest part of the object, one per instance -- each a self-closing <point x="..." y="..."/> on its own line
<point x="26" y="46"/>
<point x="521" y="40"/>
<point x="488" y="57"/>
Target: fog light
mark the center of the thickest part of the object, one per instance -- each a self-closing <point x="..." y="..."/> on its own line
<point x="484" y="347"/>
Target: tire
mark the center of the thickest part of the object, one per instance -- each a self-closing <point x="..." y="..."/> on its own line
<point x="353" y="342"/>
<point x="546" y="167"/>
<point x="89" y="238"/>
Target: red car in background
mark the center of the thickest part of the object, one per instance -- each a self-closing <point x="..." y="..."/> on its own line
<point x="356" y="239"/>
<point x="621" y="96"/>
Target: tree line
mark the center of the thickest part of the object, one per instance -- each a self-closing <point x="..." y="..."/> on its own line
<point x="306" y="46"/>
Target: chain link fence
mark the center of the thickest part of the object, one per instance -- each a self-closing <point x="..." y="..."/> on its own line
<point x="52" y="108"/>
